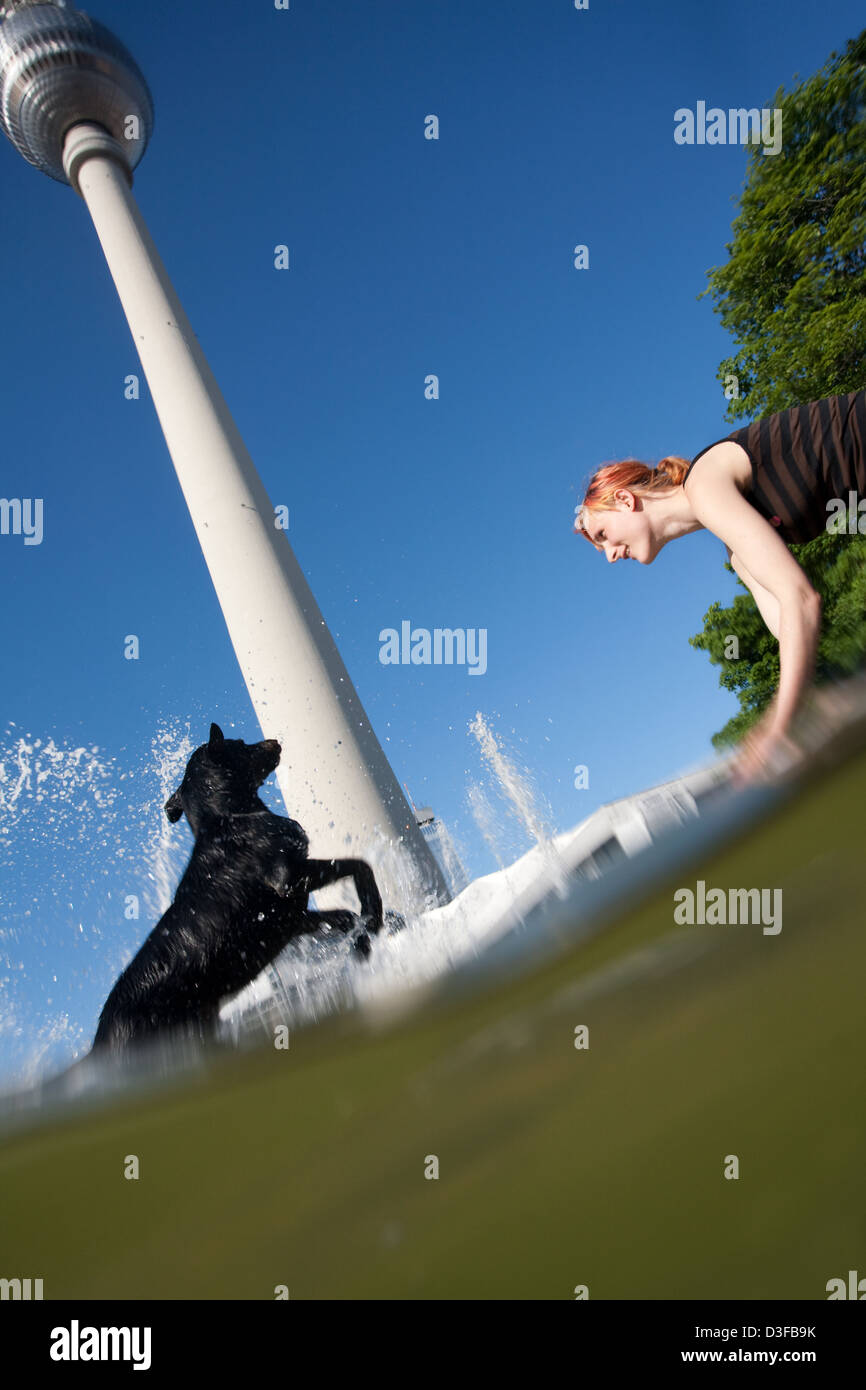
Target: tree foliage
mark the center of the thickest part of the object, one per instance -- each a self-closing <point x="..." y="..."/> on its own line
<point x="793" y="296"/>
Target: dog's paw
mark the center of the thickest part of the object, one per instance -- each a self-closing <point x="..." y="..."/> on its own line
<point x="373" y="922"/>
<point x="394" y="921"/>
<point x="362" y="945"/>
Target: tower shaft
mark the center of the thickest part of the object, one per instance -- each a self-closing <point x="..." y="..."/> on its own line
<point x="334" y="775"/>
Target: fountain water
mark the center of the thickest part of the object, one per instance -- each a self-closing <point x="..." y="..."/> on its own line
<point x="82" y="836"/>
<point x="89" y="914"/>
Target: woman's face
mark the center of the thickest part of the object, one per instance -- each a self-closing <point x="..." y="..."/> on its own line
<point x="622" y="533"/>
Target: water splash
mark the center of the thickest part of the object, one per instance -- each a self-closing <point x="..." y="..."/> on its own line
<point x="315" y="976"/>
<point x="521" y="797"/>
<point x="36" y="772"/>
<point x="67" y="947"/>
<point x="515" y="783"/>
<point x="82" y="836"/>
<point x="487" y="821"/>
<point x="166" y="852"/>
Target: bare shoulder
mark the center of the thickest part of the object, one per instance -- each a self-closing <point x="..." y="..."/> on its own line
<point x="723" y="460"/>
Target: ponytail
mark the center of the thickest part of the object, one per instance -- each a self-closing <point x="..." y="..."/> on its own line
<point x="674" y="467"/>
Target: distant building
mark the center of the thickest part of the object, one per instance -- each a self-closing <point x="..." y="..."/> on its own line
<point x="620" y="829"/>
<point x="438" y="838"/>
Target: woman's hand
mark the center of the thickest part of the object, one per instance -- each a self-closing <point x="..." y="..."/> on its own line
<point x="763" y="753"/>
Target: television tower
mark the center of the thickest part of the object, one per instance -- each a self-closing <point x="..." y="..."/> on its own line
<point x="75" y="104"/>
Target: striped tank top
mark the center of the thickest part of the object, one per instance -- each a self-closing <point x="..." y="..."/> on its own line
<point x="801" y="459"/>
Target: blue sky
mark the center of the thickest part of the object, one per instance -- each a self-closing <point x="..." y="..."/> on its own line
<point x="408" y="256"/>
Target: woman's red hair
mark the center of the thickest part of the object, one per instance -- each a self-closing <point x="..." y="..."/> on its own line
<point x="637" y="477"/>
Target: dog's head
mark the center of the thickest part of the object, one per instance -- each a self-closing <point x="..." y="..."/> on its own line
<point x="222" y="777"/>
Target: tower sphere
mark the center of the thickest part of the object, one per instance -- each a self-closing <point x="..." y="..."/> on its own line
<point x="59" y="67"/>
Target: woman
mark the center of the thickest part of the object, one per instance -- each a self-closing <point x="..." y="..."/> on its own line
<point x="774" y="483"/>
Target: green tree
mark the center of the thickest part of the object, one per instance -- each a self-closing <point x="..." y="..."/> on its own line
<point x="792" y="296"/>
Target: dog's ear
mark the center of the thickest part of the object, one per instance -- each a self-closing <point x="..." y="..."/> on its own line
<point x="174" y="807"/>
<point x="216" y="736"/>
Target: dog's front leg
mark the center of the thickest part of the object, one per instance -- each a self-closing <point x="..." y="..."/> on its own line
<point x="318" y="873"/>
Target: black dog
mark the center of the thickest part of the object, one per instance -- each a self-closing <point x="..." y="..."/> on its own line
<point x="242" y="898"/>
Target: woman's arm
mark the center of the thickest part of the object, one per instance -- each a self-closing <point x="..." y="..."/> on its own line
<point x="768" y="604"/>
<point x="720" y="506"/>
